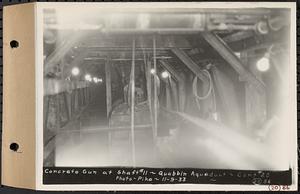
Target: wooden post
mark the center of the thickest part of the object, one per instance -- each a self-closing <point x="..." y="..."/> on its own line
<point x="47" y="99"/>
<point x="155" y="91"/>
<point x="67" y="105"/>
<point x="57" y="112"/>
<point x="108" y="99"/>
<point x="72" y="102"/>
<point x="83" y="96"/>
<point x="182" y="95"/>
<point x="74" y="93"/>
<point x="79" y="98"/>
<point x="149" y="90"/>
<point x="132" y="82"/>
<point x="108" y="87"/>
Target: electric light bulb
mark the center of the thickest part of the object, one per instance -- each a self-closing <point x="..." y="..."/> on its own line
<point x="152" y="71"/>
<point x="263" y="64"/>
<point x="87" y="77"/>
<point x="95" y="79"/>
<point x="164" y="74"/>
<point x="75" y="71"/>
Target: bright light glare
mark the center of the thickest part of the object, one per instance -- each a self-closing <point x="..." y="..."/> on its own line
<point x="95" y="79"/>
<point x="152" y="71"/>
<point x="164" y="74"/>
<point x="263" y="64"/>
<point x="88" y="77"/>
<point x="75" y="71"/>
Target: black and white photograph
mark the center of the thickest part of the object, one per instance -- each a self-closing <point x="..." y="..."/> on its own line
<point x="167" y="89"/>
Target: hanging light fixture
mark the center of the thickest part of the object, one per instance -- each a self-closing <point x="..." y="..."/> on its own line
<point x="263" y="64"/>
<point x="88" y="77"/>
<point x="165" y="74"/>
<point x="152" y="71"/>
<point x="95" y="79"/>
<point x="75" y="71"/>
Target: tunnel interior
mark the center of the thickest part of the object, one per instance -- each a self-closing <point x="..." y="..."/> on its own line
<point x="164" y="89"/>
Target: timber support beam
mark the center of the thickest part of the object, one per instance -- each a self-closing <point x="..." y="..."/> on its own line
<point x="222" y="48"/>
<point x="61" y="49"/>
<point x="190" y="64"/>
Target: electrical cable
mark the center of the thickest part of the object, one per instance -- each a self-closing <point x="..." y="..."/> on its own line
<point x="209" y="92"/>
<point x="195" y="89"/>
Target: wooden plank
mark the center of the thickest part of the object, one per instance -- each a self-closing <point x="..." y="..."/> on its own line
<point x="66" y="103"/>
<point x="47" y="100"/>
<point x="226" y="91"/>
<point x="174" y="95"/>
<point x="57" y="112"/>
<point x="181" y="82"/>
<point x="168" y="95"/>
<point x="149" y="89"/>
<point x="255" y="102"/>
<point x="222" y="48"/>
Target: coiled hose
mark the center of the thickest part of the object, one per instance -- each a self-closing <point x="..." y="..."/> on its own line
<point x="209" y="92"/>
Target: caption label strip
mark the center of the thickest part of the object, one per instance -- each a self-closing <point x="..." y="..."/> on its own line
<point x="69" y="175"/>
